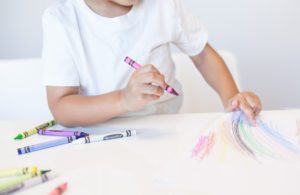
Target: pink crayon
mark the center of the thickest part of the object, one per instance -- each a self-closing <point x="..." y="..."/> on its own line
<point x="59" y="189"/>
<point x="136" y="66"/>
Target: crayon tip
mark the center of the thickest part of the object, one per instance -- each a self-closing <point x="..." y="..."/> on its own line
<point x="45" y="171"/>
<point x="18" y="137"/>
<point x="84" y="134"/>
<point x="174" y="92"/>
<point x="171" y="90"/>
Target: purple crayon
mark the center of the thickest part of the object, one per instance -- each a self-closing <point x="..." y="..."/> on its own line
<point x="61" y="133"/>
<point x="136" y="66"/>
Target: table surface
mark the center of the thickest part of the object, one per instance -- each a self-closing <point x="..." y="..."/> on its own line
<point x="157" y="160"/>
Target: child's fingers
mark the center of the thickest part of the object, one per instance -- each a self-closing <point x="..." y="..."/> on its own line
<point x="248" y="102"/>
<point x="255" y="103"/>
<point x="152" y="75"/>
<point x="234" y="105"/>
<point x="149" y="97"/>
<point x="247" y="109"/>
<point x="152" y="90"/>
<point x="153" y="78"/>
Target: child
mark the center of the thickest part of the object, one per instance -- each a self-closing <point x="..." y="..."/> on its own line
<point x="86" y="42"/>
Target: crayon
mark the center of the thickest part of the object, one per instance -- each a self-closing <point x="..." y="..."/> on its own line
<point x="61" y="133"/>
<point x="29" y="183"/>
<point x="136" y="66"/>
<point x="34" y="130"/>
<point x="44" y="145"/>
<point x="59" y="189"/>
<point x="17" y="180"/>
<point x="109" y="136"/>
<point x="11" y="189"/>
<point x="17" y="171"/>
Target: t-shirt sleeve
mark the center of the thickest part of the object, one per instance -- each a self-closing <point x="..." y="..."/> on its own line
<point x="58" y="65"/>
<point x="191" y="36"/>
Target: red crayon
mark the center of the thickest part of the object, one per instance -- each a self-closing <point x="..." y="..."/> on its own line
<point x="136" y="66"/>
<point x="59" y="189"/>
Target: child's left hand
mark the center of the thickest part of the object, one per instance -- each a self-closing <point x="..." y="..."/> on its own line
<point x="248" y="102"/>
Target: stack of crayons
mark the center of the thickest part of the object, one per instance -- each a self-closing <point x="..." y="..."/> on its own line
<point x="17" y="179"/>
<point x="76" y="137"/>
<point x="27" y="177"/>
<point x="21" y="178"/>
<point x="67" y="137"/>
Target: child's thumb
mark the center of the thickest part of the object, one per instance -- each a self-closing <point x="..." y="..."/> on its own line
<point x="233" y="105"/>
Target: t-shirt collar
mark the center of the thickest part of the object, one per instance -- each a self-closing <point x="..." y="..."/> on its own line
<point x="114" y="24"/>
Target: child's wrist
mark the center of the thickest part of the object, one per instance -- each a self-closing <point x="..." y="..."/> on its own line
<point x="227" y="101"/>
<point x="122" y="101"/>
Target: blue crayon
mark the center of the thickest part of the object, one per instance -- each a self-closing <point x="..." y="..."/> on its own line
<point x="49" y="144"/>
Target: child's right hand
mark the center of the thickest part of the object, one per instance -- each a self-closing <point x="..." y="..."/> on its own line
<point x="145" y="85"/>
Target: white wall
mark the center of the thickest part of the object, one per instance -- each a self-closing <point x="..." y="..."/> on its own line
<point x="264" y="34"/>
<point x="20" y="27"/>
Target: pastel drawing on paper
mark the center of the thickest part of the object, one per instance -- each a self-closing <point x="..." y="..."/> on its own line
<point x="257" y="142"/>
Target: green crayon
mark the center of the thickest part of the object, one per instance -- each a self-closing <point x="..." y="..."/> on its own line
<point x="18" y="180"/>
<point x="17" y="171"/>
<point x="34" y="130"/>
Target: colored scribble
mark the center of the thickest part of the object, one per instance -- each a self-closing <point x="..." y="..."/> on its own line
<point x="235" y="132"/>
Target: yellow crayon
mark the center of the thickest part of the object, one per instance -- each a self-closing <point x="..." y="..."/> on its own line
<point x="17" y="171"/>
<point x="34" y="130"/>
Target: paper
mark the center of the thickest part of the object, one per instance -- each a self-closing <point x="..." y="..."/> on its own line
<point x="233" y="132"/>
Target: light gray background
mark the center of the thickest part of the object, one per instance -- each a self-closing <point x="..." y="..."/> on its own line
<point x="264" y="35"/>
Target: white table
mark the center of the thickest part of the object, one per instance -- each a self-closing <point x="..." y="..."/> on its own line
<point x="156" y="161"/>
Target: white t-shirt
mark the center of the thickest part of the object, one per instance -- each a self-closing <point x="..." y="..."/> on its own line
<point x="82" y="48"/>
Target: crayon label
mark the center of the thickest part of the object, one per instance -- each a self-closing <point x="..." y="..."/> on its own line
<point x="114" y="136"/>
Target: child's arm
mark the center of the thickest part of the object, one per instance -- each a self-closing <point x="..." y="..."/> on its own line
<point x="71" y="109"/>
<point x="217" y="75"/>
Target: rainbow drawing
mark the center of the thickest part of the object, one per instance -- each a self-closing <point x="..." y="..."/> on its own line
<point x="257" y="142"/>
